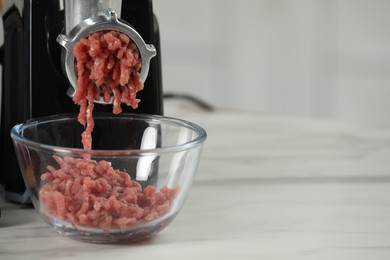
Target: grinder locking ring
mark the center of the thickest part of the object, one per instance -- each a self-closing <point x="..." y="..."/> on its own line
<point x="107" y="21"/>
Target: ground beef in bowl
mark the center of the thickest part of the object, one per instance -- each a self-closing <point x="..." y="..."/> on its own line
<point x="92" y="193"/>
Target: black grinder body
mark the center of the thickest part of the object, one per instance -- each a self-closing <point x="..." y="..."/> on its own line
<point x="34" y="85"/>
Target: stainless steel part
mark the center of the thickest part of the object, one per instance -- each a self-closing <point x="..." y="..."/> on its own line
<point x="77" y="11"/>
<point x="105" y="20"/>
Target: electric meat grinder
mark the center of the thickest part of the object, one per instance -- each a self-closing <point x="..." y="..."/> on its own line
<point x="38" y="73"/>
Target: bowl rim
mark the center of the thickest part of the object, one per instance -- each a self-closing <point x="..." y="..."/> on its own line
<point x="20" y="127"/>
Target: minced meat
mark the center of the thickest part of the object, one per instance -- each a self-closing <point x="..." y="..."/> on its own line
<point x="107" y="64"/>
<point x="93" y="194"/>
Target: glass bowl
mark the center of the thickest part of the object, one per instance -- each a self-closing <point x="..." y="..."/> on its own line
<point x="129" y="187"/>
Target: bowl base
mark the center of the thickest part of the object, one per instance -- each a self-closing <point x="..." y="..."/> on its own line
<point x="131" y="235"/>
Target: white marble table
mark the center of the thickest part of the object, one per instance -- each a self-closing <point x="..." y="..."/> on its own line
<point x="267" y="188"/>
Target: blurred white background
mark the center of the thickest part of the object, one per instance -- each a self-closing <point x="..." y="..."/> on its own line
<point x="316" y="58"/>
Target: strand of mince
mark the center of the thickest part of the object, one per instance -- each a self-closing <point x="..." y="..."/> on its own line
<point x="107" y="64"/>
<point x="92" y="193"/>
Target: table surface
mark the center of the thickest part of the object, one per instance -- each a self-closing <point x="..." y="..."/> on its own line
<point x="267" y="187"/>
